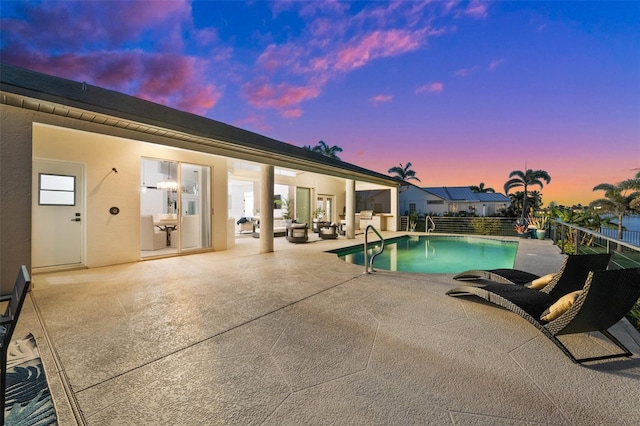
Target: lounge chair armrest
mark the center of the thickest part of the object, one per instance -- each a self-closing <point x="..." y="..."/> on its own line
<point x="5" y="298"/>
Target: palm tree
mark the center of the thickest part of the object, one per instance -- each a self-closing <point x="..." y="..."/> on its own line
<point x="526" y="179"/>
<point x="481" y="188"/>
<point x="535" y="198"/>
<point x="326" y="150"/>
<point x="517" y="200"/>
<point x="618" y="198"/>
<point x="404" y="172"/>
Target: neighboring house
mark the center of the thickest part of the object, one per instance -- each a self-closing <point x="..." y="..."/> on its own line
<point x="82" y="168"/>
<point x="460" y="200"/>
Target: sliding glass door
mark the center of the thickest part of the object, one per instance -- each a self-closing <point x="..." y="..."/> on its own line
<point x="175" y="201"/>
<point x="195" y="207"/>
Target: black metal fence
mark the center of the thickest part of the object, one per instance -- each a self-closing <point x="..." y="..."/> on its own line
<point x="505" y="226"/>
<point x="469" y="225"/>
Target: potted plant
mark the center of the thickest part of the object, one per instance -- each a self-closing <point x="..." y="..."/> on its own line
<point x="522" y="229"/>
<point x="540" y="224"/>
<point x="413" y="221"/>
<point x="287" y="206"/>
<point x="317" y="215"/>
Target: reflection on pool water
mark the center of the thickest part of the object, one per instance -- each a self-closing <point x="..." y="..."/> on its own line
<point x="436" y="254"/>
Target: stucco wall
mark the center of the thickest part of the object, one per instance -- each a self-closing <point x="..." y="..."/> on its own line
<point x="425" y="202"/>
<point x="15" y="194"/>
<point x="115" y="239"/>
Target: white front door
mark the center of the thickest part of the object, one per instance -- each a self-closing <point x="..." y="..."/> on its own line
<point x="58" y="210"/>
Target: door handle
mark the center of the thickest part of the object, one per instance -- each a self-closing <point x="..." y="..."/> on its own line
<point x="77" y="219"/>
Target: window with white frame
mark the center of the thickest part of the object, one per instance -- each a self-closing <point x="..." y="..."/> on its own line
<point x="56" y="190"/>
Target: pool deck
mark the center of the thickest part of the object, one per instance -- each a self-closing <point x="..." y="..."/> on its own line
<point x="298" y="336"/>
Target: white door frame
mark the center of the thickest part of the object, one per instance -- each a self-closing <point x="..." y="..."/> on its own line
<point x="67" y="218"/>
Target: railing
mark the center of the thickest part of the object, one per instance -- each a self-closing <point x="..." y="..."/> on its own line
<point x="429" y="225"/>
<point x="502" y="226"/>
<point x="574" y="239"/>
<point x="368" y="265"/>
<point x="629" y="236"/>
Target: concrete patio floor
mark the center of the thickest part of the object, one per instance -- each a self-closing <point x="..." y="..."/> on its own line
<point x="298" y="336"/>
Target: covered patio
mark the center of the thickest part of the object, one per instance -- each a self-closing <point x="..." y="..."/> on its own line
<point x="297" y="336"/>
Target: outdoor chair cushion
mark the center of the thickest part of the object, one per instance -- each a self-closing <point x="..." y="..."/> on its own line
<point x="539" y="283"/>
<point x="560" y="307"/>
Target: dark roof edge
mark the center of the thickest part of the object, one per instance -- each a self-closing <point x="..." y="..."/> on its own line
<point x="84" y="96"/>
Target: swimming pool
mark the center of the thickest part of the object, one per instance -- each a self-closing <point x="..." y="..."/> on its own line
<point x="436" y="254"/>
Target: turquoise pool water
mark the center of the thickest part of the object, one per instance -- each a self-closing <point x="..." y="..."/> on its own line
<point x="437" y="254"/>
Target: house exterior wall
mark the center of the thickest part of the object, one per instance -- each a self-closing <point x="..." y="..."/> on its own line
<point x="320" y="185"/>
<point x="425" y="203"/>
<point x="111" y="239"/>
<point x="115" y="239"/>
<point x="436" y="206"/>
<point x="431" y="204"/>
<point x="15" y="194"/>
<point x="27" y="133"/>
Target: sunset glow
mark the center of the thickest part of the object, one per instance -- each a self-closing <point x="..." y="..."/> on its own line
<point x="466" y="91"/>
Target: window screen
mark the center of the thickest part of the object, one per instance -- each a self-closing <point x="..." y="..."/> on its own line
<point x="377" y="200"/>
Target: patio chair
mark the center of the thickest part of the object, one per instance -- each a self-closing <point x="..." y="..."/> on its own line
<point x="574" y="269"/>
<point x="298" y="233"/>
<point x="8" y="323"/>
<point x="328" y="231"/>
<point x="603" y="301"/>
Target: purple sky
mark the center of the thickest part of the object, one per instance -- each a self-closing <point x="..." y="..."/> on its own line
<point x="467" y="91"/>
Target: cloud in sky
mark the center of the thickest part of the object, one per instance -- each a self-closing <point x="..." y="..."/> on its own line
<point x="283" y="96"/>
<point x="380" y="99"/>
<point x="435" y="87"/>
<point x="464" y="72"/>
<point x="495" y="64"/>
<point x="155" y="51"/>
<point x="83" y="41"/>
<point x="301" y="71"/>
<point x="477" y="9"/>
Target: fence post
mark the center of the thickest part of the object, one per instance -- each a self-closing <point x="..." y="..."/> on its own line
<point x="577" y="249"/>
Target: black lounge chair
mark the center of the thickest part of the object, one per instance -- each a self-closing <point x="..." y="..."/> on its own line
<point x="574" y="268"/>
<point x="605" y="298"/>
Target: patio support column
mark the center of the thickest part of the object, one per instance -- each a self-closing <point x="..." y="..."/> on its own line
<point x="266" y="208"/>
<point x="350" y="211"/>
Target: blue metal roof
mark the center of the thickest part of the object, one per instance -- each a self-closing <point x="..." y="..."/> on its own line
<point x="464" y="193"/>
